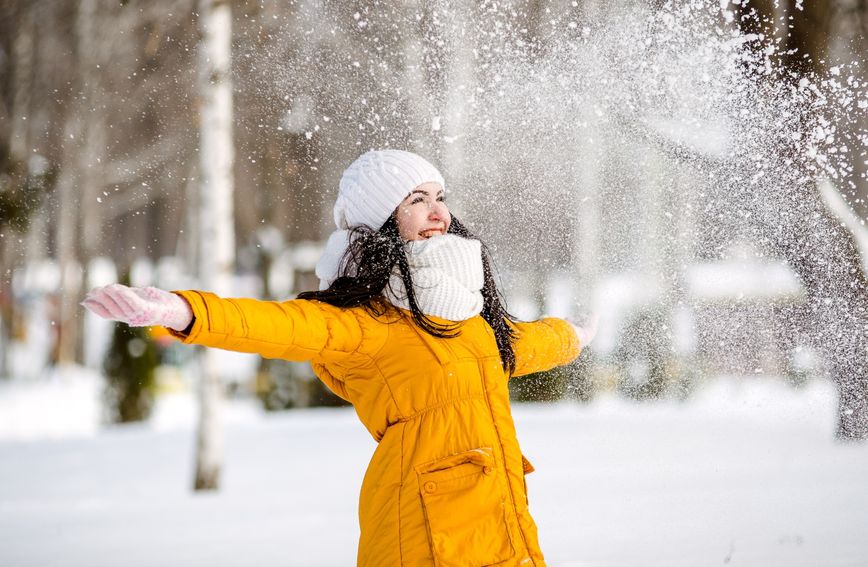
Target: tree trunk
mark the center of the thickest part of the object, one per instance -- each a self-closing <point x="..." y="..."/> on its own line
<point x="22" y="64"/>
<point x="821" y="251"/>
<point x="216" y="225"/>
<point x="79" y="223"/>
<point x="824" y="255"/>
<point x="68" y="203"/>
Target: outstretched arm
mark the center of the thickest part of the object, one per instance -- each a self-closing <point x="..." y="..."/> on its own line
<point x="292" y="330"/>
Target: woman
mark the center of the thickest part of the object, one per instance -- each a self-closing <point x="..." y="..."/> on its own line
<point x="409" y="327"/>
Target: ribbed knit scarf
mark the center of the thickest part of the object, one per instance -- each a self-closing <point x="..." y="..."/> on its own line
<point x="447" y="277"/>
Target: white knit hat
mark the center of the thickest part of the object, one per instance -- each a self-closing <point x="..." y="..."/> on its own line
<point x="370" y="190"/>
<point x="376" y="183"/>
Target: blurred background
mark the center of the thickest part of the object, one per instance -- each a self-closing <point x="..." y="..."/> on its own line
<point x="694" y="172"/>
<point x="626" y="159"/>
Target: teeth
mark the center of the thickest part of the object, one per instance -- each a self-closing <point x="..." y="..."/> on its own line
<point x="431" y="232"/>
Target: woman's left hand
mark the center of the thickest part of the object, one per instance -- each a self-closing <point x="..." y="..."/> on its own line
<point x="587" y="329"/>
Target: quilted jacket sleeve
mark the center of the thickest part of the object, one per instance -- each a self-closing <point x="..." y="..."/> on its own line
<point x="544" y="344"/>
<point x="293" y="330"/>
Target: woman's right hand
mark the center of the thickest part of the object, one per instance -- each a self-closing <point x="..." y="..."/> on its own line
<point x="139" y="306"/>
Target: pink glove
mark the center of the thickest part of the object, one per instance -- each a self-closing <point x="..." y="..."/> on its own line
<point x="587" y="329"/>
<point x="140" y="306"/>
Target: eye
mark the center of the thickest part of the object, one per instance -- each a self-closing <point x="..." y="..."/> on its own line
<point x="416" y="200"/>
<point x="442" y="198"/>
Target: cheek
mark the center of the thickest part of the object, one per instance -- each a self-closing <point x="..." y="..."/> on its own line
<point x="410" y="222"/>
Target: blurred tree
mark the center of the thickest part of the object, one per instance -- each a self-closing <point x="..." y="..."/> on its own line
<point x="24" y="179"/>
<point x="78" y="223"/>
<point x="813" y="241"/>
<point x="21" y="193"/>
<point x="130" y="379"/>
<point x="216" y="250"/>
<point x="102" y="90"/>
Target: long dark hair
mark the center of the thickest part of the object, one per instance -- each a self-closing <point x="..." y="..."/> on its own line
<point x="367" y="266"/>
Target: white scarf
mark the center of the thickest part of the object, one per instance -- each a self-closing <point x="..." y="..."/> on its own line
<point x="447" y="277"/>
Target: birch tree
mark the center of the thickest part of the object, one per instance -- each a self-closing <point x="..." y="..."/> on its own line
<point x="216" y="232"/>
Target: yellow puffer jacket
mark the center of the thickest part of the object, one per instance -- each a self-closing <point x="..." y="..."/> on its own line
<point x="445" y="485"/>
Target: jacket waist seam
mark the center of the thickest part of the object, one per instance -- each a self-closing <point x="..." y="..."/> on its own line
<point x="449" y="402"/>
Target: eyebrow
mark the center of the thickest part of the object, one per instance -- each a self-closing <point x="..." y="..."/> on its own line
<point x="424" y="192"/>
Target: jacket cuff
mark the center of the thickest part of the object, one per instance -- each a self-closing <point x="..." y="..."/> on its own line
<point x="200" y="316"/>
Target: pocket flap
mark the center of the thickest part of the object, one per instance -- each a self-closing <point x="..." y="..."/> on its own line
<point x="483" y="456"/>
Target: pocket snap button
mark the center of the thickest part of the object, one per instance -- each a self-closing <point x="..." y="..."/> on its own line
<point x="430" y="487"/>
<point x="487" y="469"/>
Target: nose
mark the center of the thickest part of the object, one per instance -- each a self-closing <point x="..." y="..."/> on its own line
<point x="437" y="212"/>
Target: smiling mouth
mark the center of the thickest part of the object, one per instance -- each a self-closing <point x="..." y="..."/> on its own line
<point x="432" y="232"/>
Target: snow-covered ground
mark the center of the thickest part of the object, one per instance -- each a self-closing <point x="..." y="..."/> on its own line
<point x="745" y="473"/>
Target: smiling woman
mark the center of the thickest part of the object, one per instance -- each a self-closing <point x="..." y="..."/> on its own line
<point x="410" y="328"/>
<point x="394" y="265"/>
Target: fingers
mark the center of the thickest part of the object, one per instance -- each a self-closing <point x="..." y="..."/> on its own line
<point x="124" y="299"/>
<point x="116" y="302"/>
<point x="97" y="308"/>
<point x="100" y="302"/>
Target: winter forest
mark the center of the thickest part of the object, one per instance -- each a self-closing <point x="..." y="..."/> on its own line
<point x="693" y="172"/>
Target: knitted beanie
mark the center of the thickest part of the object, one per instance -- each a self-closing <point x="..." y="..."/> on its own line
<point x="370" y="190"/>
<point x="376" y="183"/>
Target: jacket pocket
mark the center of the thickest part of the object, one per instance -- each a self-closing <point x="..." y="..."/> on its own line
<point x="465" y="509"/>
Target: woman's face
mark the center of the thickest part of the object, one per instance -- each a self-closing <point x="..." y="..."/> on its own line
<point x="423" y="213"/>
